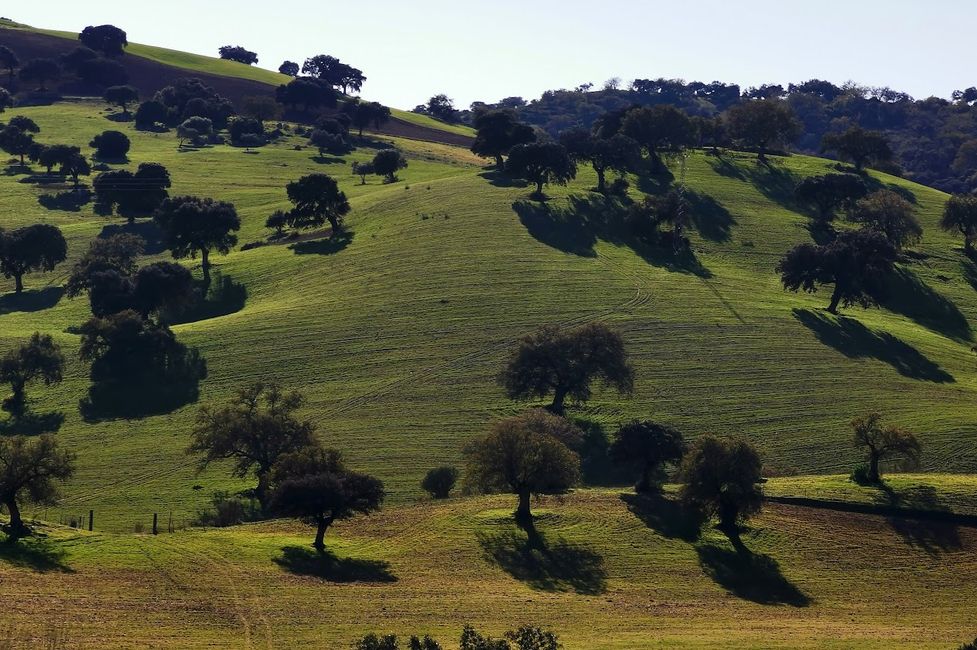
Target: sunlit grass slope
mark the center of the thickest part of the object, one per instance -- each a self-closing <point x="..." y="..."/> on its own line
<point x="396" y="339"/>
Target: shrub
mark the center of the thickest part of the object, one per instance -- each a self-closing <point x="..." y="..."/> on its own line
<point x="374" y="642"/>
<point x="969" y="646"/>
<point x="440" y="481"/>
<point x="228" y="510"/>
<point x="110" y="144"/>
<point x="861" y="475"/>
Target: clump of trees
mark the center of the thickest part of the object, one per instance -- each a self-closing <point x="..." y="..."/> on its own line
<point x="308" y="92"/>
<point x="858" y="146"/>
<point x="497" y="132"/>
<point x="9" y="61"/>
<point x="882" y="443"/>
<point x="439" y="106"/>
<point x="16" y="140"/>
<point x="186" y="98"/>
<point x="387" y="162"/>
<point x="617" y="153"/>
<point x="40" y="71"/>
<point x="37" y="359"/>
<point x="722" y="478"/>
<point x="566" y="363"/>
<point x="40" y="247"/>
<point x="237" y="53"/>
<point x="290" y="68"/>
<point x="31" y="470"/>
<point x="317" y="199"/>
<point x="647" y="447"/>
<point x="761" y="124"/>
<point x="334" y="73"/>
<point x="121" y="96"/>
<point x="365" y="114"/>
<point x="541" y="164"/>
<point x="133" y="195"/>
<point x="107" y="39"/>
<point x="960" y="215"/>
<point x="659" y="130"/>
<point x="439" y="481"/>
<point x="646" y="219"/>
<point x="192" y="225"/>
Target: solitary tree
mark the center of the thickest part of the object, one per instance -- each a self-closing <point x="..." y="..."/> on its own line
<point x="565" y="363"/>
<point x="277" y="221"/>
<point x="8" y="60"/>
<point x="30" y="470"/>
<point x="387" y="162"/>
<point x="196" y="129"/>
<point x="110" y="145"/>
<point x="291" y="68"/>
<point x="648" y="447"/>
<point x="317" y="199"/>
<point x="16" y="141"/>
<point x="883" y="443"/>
<point x="891" y="215"/>
<point x="541" y="164"/>
<point x="960" y="214"/>
<point x="858" y="146"/>
<point x="761" y="124"/>
<point x="439" y="481"/>
<point x="618" y="153"/>
<point x="513" y="458"/>
<point x="24" y="123"/>
<point x="830" y="192"/>
<point x="107" y="39"/>
<point x="192" y="225"/>
<point x="659" y="129"/>
<point x="238" y="53"/>
<point x="37" y="359"/>
<point x="40" y="71"/>
<point x="722" y="478"/>
<point x="442" y="107"/>
<point x="363" y="170"/>
<point x="256" y="429"/>
<point x="121" y="96"/>
<point x="856" y="263"/>
<point x="40" y="247"/>
<point x="75" y="165"/>
<point x="497" y="132"/>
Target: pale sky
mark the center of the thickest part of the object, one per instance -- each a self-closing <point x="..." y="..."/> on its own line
<point x="486" y="50"/>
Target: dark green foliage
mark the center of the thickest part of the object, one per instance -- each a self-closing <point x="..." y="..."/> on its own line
<point x="497" y="132"/>
<point x="334" y="73"/>
<point x="254" y="431"/>
<point x="40" y="247"/>
<point x="161" y="286"/>
<point x="515" y="458"/>
<point x="541" y="164"/>
<point x="37" y="359"/>
<point x="40" y="71"/>
<point x="134" y="195"/>
<point x="969" y="646"/>
<point x="228" y="510"/>
<point x="110" y="145"/>
<point x="25" y="124"/>
<point x="121" y="96"/>
<point x="526" y="637"/>
<point x="102" y="73"/>
<point x="51" y="155"/>
<point x="151" y="113"/>
<point x="260" y="107"/>
<point x="565" y="363"/>
<point x="192" y="225"/>
<point x="857" y="263"/>
<point x="246" y="131"/>
<point x="830" y="192"/>
<point x="238" y="53"/>
<point x="886" y="212"/>
<point x="9" y="61"/>
<point x="72" y="60"/>
<point x="439" y="482"/>
<point x="107" y="39"/>
<point x="722" y="478"/>
<point x="374" y="642"/>
<point x="30" y="469"/>
<point x="387" y="162"/>
<point x="290" y="68"/>
<point x="307" y="92"/>
<point x="960" y="214"/>
<point x="196" y="129"/>
<point x="659" y="129"/>
<point x="858" y="146"/>
<point x="442" y="107"/>
<point x="116" y="253"/>
<point x="327" y="142"/>
<point x="317" y="199"/>
<point x="16" y="141"/>
<point x="6" y="99"/>
<point x="882" y="443"/>
<point x="647" y="447"/>
<point x="362" y="114"/>
<point x="75" y="165"/>
<point x="188" y="98"/>
<point x="761" y="124"/>
<point x="363" y="170"/>
<point x="472" y="640"/>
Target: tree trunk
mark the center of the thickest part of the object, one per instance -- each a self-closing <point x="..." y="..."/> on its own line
<point x="261" y="491"/>
<point x="559" y="401"/>
<point x="336" y="228"/>
<point x="835" y="299"/>
<point x="968" y="244"/>
<point x="643" y="486"/>
<point x="19" y="283"/>
<point x="17" y="527"/>
<point x="205" y="264"/>
<point x="539" y="188"/>
<point x="15" y="404"/>
<point x="873" y="468"/>
<point x="523" y="513"/>
<point x="499" y="163"/>
<point x="601" y="180"/>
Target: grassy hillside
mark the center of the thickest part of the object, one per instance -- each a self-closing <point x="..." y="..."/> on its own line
<point x="396" y="337"/>
<point x="608" y="572"/>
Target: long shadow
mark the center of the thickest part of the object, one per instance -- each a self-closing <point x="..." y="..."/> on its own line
<point x="666" y="516"/>
<point x="751" y="576"/>
<point x="328" y="160"/>
<point x="146" y="229"/>
<point x="498" y="178"/>
<point x="120" y="117"/>
<point x="32" y="424"/>
<point x="774" y="182"/>
<point x="559" y="229"/>
<point x="29" y="301"/>
<point x="932" y="536"/>
<point x="856" y="341"/>
<point x="136" y="401"/>
<point x="329" y="246"/>
<point x="35" y="553"/>
<point x="726" y="167"/>
<point x="222" y="297"/>
<point x="713" y="221"/>
<point x="67" y="201"/>
<point x="527" y="556"/>
<point x="655" y="181"/>
<point x="596" y="466"/>
<point x="326" y="566"/>
<point x="914" y="299"/>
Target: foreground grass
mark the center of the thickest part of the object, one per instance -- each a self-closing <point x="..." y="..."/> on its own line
<point x="609" y="572"/>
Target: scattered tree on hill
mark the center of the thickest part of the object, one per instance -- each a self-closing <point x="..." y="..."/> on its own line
<point x="50" y="155"/>
<point x="960" y="214"/>
<point x="646" y="218"/>
<point x="618" y="153"/>
<point x="6" y="99"/>
<point x="37" y="359"/>
<point x="313" y="485"/>
<point x="161" y="286"/>
<point x="107" y="39"/>
<point x="317" y="199"/>
<point x="151" y="113"/>
<point x="722" y="478"/>
<point x="497" y="132"/>
<point x="278" y="221"/>
<point x="439" y="481"/>
<point x="188" y="97"/>
<point x="363" y="170"/>
<point x="883" y="443"/>
<point x="830" y="192"/>
<point x="761" y="124"/>
<point x="513" y="458"/>
<point x="238" y="53"/>
<point x="75" y="165"/>
<point x="857" y="263"/>
<point x="363" y="114"/>
<point x="196" y="129"/>
<point x="103" y="73"/>
<point x="648" y="447"/>
<point x="16" y="141"/>
<point x="137" y="194"/>
<point x="334" y="72"/>
<point x="309" y="93"/>
<point x="255" y="430"/>
<point x="326" y="142"/>
<point x="192" y="225"/>
<point x="387" y="162"/>
<point x="565" y="363"/>
<point x="40" y="247"/>
<point x="442" y="107"/>
<point x="25" y="124"/>
<point x="541" y="164"/>
<point x="40" y="71"/>
<point x="121" y="96"/>
<point x="110" y="145"/>
<point x="260" y="107"/>
<point x="659" y="129"/>
<point x="239" y="128"/>
<point x="291" y="68"/>
<point x="9" y="60"/>
<point x="891" y="215"/>
<point x="30" y="469"/>
<point x="858" y="146"/>
<point x="116" y="253"/>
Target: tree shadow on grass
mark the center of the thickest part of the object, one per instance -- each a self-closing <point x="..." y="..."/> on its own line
<point x="750" y="576"/>
<point x="30" y="301"/>
<point x="67" y="201"/>
<point x="527" y="556"/>
<point x="855" y="341"/>
<point x="666" y="516"/>
<point x="223" y="296"/>
<point x="560" y="229"/>
<point x="34" y="552"/>
<point x="326" y="566"/>
<point x="713" y="221"/>
<point x="328" y="160"/>
<point x="914" y="299"/>
<point x="329" y="246"/>
<point x="147" y="229"/>
<point x="156" y="394"/>
<point x="120" y="117"/>
<point x="932" y="536"/>
<point x="775" y="182"/>
<point x="498" y="178"/>
<point x="32" y="424"/>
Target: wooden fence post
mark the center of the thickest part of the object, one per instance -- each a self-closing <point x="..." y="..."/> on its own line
<point x="91" y="520"/>
<point x="155" y="522"/>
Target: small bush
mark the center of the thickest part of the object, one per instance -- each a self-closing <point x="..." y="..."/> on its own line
<point x="969" y="646"/>
<point x="110" y="145"/>
<point x="227" y="510"/>
<point x="861" y="475"/>
<point x="440" y="481"/>
<point x="374" y="642"/>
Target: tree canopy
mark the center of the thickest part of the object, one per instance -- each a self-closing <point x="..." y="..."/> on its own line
<point x="888" y="213"/>
<point x="830" y="192"/>
<point x="541" y="164"/>
<point x="31" y="469"/>
<point x="192" y="225"/>
<point x="107" y="39"/>
<point x="960" y="215"/>
<point x="763" y="123"/>
<point x="722" y="478"/>
<point x="317" y="199"/>
<point x="37" y="359"/>
<point x="647" y="446"/>
<point x="497" y="132"/>
<point x="238" y="53"/>
<point x="883" y="443"/>
<point x="40" y="247"/>
<point x="858" y="146"/>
